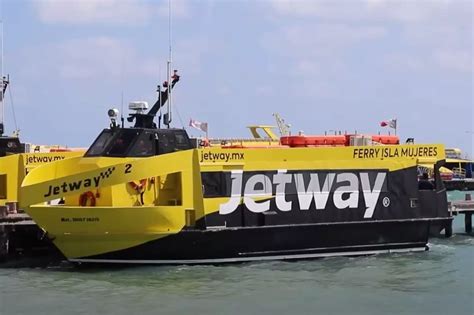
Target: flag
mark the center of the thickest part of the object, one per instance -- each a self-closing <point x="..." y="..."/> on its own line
<point x="392" y="123"/>
<point x="198" y="125"/>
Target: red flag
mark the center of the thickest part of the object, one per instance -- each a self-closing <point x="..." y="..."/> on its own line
<point x="392" y="123"/>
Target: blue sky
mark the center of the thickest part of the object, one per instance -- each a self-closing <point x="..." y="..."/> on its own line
<point x="323" y="65"/>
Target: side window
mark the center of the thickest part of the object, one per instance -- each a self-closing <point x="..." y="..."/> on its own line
<point x="3" y="186"/>
<point x="215" y="184"/>
<point x="144" y="146"/>
<point x="166" y="143"/>
<point x="121" y="143"/>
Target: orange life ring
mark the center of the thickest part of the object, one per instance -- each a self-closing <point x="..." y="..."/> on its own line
<point x="140" y="186"/>
<point x="88" y="195"/>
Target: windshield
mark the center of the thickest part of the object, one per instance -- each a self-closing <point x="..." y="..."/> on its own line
<point x="100" y="143"/>
<point x="138" y="142"/>
<point x="123" y="142"/>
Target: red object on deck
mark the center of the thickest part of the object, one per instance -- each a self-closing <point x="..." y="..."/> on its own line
<point x="384" y="139"/>
<point x="334" y="140"/>
<point x="313" y="141"/>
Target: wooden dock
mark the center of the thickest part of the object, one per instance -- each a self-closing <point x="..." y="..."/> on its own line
<point x="465" y="207"/>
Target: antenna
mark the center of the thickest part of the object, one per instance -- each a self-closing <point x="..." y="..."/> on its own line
<point x="168" y="116"/>
<point x="2" y="87"/>
<point x="121" y="112"/>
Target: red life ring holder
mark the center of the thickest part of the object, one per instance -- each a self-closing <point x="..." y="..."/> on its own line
<point x="140" y="186"/>
<point x="88" y="195"/>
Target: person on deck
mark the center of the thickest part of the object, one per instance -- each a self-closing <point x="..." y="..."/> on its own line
<point x="425" y="183"/>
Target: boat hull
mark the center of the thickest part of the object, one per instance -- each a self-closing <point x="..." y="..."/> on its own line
<point x="192" y="246"/>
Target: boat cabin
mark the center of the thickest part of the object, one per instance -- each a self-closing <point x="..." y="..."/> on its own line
<point x="11" y="145"/>
<point x="139" y="142"/>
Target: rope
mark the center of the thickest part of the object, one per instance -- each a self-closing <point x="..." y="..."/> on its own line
<point x="13" y="107"/>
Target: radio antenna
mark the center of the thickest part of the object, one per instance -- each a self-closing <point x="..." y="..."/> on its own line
<point x="168" y="118"/>
<point x="2" y="79"/>
<point x="121" y="111"/>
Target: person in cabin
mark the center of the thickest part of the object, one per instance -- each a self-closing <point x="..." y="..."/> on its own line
<point x="144" y="148"/>
<point x="424" y="183"/>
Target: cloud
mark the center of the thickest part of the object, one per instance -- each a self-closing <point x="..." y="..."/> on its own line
<point x="318" y="32"/>
<point x="371" y="10"/>
<point x="106" y="12"/>
<point x="94" y="57"/>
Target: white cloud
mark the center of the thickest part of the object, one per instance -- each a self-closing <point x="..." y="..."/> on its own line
<point x="371" y="10"/>
<point x="114" y="12"/>
<point x="418" y="35"/>
<point x="329" y="36"/>
<point x="94" y="57"/>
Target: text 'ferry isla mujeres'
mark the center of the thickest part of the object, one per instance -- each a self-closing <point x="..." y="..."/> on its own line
<point x="149" y="195"/>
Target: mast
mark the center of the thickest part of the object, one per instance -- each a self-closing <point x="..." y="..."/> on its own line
<point x="2" y="83"/>
<point x="168" y="116"/>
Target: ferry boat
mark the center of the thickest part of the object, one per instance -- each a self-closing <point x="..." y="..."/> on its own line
<point x="148" y="195"/>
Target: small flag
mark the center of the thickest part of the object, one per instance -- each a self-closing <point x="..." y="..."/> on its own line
<point x="392" y="123"/>
<point x="198" y="125"/>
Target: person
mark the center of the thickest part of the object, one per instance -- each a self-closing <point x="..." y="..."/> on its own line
<point x="144" y="148"/>
<point x="425" y="183"/>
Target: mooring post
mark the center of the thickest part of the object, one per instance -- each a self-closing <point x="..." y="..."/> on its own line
<point x="468" y="217"/>
<point x="448" y="229"/>
<point x="468" y="222"/>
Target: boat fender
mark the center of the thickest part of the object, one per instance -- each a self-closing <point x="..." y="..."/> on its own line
<point x="88" y="195"/>
<point x="140" y="186"/>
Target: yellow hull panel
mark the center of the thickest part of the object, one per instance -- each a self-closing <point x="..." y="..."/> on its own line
<point x="86" y="231"/>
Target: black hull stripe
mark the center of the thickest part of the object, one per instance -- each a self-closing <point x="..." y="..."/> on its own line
<point x="417" y="248"/>
<point x="277" y="242"/>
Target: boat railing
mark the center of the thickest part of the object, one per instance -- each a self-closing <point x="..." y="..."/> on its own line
<point x="459" y="172"/>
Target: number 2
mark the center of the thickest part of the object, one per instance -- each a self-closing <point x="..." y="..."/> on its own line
<point x="127" y="168"/>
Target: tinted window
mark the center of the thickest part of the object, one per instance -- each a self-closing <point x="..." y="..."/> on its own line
<point x="144" y="146"/>
<point x="99" y="145"/>
<point x="122" y="142"/>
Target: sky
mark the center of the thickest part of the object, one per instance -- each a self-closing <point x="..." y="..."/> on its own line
<point x="322" y="65"/>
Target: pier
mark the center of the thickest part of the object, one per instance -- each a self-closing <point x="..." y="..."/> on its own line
<point x="465" y="207"/>
<point x="19" y="235"/>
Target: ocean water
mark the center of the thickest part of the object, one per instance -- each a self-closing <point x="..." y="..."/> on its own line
<point x="438" y="281"/>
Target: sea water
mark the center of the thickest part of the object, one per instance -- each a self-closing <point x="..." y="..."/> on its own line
<point x="439" y="281"/>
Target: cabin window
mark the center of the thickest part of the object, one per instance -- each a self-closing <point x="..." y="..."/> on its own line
<point x="99" y="145"/>
<point x="144" y="146"/>
<point x="3" y="186"/>
<point x="122" y="142"/>
<point x="166" y="143"/>
<point x="215" y="184"/>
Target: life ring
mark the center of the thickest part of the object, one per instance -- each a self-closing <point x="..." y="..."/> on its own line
<point x="88" y="195"/>
<point x="140" y="186"/>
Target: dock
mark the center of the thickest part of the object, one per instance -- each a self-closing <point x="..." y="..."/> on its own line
<point x="19" y="235"/>
<point x="465" y="207"/>
<point x="459" y="184"/>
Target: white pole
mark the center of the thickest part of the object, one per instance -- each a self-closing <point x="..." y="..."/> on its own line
<point x="2" y="96"/>
<point x="169" y="64"/>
